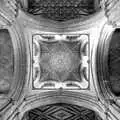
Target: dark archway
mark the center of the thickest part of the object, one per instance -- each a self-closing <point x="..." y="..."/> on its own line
<point x="6" y="67"/>
<point x="114" y="63"/>
<point x="108" y="63"/>
<point x="6" y="62"/>
<point x="61" y="111"/>
<point x="61" y="10"/>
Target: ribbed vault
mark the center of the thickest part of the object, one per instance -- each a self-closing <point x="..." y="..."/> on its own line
<point x="62" y="10"/>
<point x="61" y="111"/>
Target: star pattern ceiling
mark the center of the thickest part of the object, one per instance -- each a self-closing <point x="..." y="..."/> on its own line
<point x="58" y="61"/>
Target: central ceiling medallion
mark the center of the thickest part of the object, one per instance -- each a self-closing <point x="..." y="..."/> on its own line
<point x="60" y="61"/>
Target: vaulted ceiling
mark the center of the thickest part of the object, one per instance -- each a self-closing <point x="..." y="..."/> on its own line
<point x="61" y="111"/>
<point x="51" y="67"/>
<point x="63" y="10"/>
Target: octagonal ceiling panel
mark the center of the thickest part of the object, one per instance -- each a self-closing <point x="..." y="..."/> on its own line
<point x="60" y="61"/>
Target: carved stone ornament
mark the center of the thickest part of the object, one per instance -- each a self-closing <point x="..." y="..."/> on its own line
<point x="60" y="61"/>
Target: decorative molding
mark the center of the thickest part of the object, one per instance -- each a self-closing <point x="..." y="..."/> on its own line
<point x="47" y="25"/>
<point x="53" y="97"/>
<point x="6" y="22"/>
<point x="102" y="51"/>
<point x="60" y="61"/>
